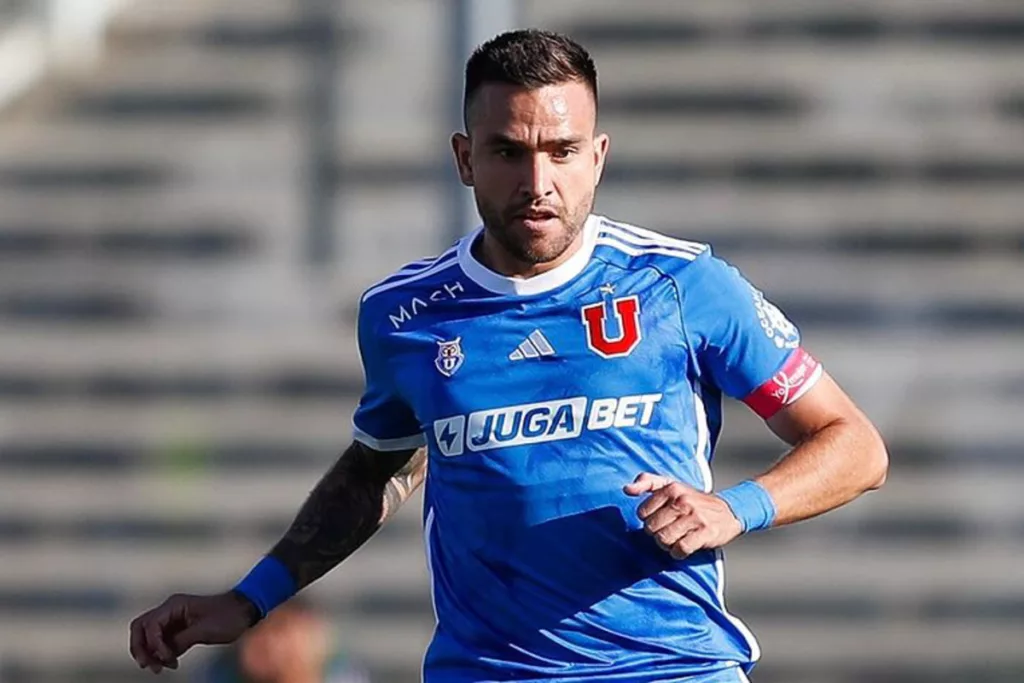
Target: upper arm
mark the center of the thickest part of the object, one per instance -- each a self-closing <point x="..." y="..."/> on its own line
<point x="382" y="465"/>
<point x="743" y="344"/>
<point x="823" y="405"/>
<point x="383" y="421"/>
<point x="397" y="473"/>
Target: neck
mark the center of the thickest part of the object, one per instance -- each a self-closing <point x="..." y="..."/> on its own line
<point x="491" y="254"/>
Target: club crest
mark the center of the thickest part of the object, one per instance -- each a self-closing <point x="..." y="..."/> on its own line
<point x="613" y="326"/>
<point x="449" y="357"/>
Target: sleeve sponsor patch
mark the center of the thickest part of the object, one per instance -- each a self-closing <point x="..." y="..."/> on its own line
<point x="775" y="324"/>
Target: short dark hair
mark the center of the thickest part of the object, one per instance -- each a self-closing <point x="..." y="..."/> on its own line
<point x="529" y="58"/>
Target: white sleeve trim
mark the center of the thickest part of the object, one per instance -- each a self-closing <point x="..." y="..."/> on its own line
<point x="403" y="443"/>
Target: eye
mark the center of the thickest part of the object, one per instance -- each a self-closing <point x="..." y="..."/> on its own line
<point x="508" y="152"/>
<point x="564" y="153"/>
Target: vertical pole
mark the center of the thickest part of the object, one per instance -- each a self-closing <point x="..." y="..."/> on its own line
<point x="474" y="22"/>
<point x="321" y="121"/>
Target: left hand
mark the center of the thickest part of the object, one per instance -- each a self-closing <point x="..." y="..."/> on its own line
<point x="682" y="519"/>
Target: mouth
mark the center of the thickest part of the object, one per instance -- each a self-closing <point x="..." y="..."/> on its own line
<point x="536" y="217"/>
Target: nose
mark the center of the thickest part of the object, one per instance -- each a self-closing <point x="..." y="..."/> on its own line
<point x="537" y="176"/>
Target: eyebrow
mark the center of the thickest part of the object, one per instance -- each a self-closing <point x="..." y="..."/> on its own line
<point x="498" y="139"/>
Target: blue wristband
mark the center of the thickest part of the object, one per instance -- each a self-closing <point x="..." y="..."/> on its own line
<point x="267" y="585"/>
<point x="751" y="504"/>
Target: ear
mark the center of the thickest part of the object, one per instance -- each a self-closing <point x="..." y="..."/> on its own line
<point x="463" y="160"/>
<point x="601" y="144"/>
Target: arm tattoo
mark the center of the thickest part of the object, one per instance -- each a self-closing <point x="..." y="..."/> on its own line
<point x="406" y="480"/>
<point x="362" y="490"/>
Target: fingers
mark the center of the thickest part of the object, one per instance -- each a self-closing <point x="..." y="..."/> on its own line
<point x="157" y="646"/>
<point x="147" y="643"/>
<point x="690" y="542"/>
<point x="674" y="491"/>
<point x="681" y="519"/>
<point x="645" y="483"/>
<point x="680" y="535"/>
<point x="137" y="643"/>
<point x="666" y="515"/>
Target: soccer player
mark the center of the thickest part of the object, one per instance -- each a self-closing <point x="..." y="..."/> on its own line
<point x="556" y="377"/>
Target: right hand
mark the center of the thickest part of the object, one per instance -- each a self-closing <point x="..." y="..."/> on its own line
<point x="164" y="633"/>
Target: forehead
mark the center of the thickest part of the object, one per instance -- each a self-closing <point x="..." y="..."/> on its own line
<point x="523" y="112"/>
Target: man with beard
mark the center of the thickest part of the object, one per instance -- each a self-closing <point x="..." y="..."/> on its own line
<point x="556" y="377"/>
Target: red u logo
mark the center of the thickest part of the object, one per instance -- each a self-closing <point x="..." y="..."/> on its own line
<point x="627" y="311"/>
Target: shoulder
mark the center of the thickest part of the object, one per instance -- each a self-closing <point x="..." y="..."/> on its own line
<point x="699" y="275"/>
<point x="633" y="247"/>
<point x="412" y="276"/>
<point x="408" y="283"/>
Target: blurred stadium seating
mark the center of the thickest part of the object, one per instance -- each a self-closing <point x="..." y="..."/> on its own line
<point x="174" y="377"/>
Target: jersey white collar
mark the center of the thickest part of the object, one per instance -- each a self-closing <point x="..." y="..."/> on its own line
<point x="538" y="284"/>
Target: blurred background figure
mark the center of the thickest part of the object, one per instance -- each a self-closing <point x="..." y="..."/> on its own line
<point x="193" y="193"/>
<point x="294" y="644"/>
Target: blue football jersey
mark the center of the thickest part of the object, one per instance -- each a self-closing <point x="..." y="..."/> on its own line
<point x="539" y="399"/>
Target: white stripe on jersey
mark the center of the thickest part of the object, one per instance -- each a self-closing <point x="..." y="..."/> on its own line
<point x="415" y="267"/>
<point x="667" y="242"/>
<point x="612" y="241"/>
<point x="755" y="648"/>
<point x="446" y="260"/>
<point x="428" y="527"/>
<point x="703" y="455"/>
<point x="701" y="452"/>
<point x="643" y="236"/>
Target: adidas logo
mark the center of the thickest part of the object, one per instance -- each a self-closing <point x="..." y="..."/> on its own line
<point x="534" y="346"/>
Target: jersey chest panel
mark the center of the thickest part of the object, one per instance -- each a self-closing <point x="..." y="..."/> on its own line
<point x="510" y="374"/>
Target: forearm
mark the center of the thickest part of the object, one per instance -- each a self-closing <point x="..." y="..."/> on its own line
<point x="826" y="470"/>
<point x="362" y="490"/>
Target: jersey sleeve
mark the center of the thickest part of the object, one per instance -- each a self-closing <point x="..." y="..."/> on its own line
<point x="744" y="344"/>
<point x="383" y="420"/>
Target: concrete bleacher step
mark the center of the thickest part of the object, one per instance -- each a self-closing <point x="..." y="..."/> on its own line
<point x="181" y="422"/>
<point x="907" y="641"/>
<point x="893" y="280"/>
<point x="71" y="308"/>
<point x="153" y="19"/>
<point x="668" y="136"/>
<point x="728" y="12"/>
<point x="84" y="177"/>
<point x="201" y="240"/>
<point x="720" y="208"/>
<point x="278" y="76"/>
<point x="851" y="171"/>
<point x="225" y="144"/>
<point x="170" y="349"/>
<point x="804" y="71"/>
<point x="990" y="30"/>
<point x="88" y="212"/>
<point x="194" y="105"/>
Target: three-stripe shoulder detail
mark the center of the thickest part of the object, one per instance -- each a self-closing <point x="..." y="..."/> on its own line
<point x="414" y="271"/>
<point x="636" y="241"/>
